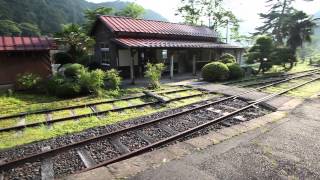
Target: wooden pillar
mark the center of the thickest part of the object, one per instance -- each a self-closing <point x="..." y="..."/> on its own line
<point x="132" y="53"/>
<point x="171" y="65"/>
<point x="194" y="64"/>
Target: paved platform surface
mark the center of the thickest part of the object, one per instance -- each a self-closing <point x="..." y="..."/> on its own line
<point x="287" y="149"/>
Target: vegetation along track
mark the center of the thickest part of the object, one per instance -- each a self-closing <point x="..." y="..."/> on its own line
<point x="93" y="110"/>
<point x="133" y="139"/>
<point x="268" y="77"/>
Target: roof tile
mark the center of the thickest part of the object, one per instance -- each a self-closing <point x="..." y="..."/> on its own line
<point x="130" y="25"/>
<point x="25" y="43"/>
<point x="162" y="43"/>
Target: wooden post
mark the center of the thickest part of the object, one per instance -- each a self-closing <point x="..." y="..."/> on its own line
<point x="194" y="65"/>
<point x="132" y="53"/>
<point x="171" y="66"/>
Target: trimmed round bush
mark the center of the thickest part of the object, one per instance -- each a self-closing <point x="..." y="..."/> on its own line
<point x="73" y="70"/>
<point x="235" y="70"/>
<point x="215" y="71"/>
<point x="227" y="58"/>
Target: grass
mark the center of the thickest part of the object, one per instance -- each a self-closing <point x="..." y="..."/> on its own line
<point x="35" y="118"/>
<point x="10" y="139"/>
<point x="20" y="102"/>
<point x="302" y="92"/>
<point x="81" y="111"/>
<point x="9" y="123"/>
<point x="61" y="114"/>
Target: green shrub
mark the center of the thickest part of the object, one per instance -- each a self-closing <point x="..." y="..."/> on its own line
<point x="235" y="71"/>
<point x="92" y="82"/>
<point x="113" y="79"/>
<point x="68" y="89"/>
<point x="215" y="71"/>
<point x="74" y="70"/>
<point x="154" y="72"/>
<point x="227" y="58"/>
<point x="28" y="81"/>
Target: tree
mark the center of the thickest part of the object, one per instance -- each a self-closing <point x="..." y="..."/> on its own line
<point x="91" y="15"/>
<point x="218" y="17"/>
<point x="275" y="20"/>
<point x="282" y="56"/>
<point x="261" y="53"/>
<point x="76" y="39"/>
<point x="9" y="28"/>
<point x="132" y="10"/>
<point x="190" y="10"/>
<point x="29" y="29"/>
<point x="300" y="28"/>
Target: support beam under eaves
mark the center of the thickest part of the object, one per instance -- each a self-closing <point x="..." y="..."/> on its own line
<point x="132" y="75"/>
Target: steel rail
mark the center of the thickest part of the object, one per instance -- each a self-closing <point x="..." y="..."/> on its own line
<point x="270" y="76"/>
<point x="266" y="82"/>
<point x="192" y="130"/>
<point x="53" y="152"/>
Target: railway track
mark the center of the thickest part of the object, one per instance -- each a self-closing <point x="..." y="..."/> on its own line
<point x="132" y="139"/>
<point x="270" y="76"/>
<point x="94" y="110"/>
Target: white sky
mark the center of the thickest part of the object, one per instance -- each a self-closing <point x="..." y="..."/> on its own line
<point x="246" y="10"/>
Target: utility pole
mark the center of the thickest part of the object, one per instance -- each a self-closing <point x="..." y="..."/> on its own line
<point x="227" y="33"/>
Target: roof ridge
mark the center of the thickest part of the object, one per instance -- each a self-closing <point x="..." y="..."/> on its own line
<point x="124" y="17"/>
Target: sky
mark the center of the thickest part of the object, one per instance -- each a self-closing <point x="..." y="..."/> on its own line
<point x="246" y="10"/>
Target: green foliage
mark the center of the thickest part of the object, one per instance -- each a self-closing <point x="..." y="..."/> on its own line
<point x="227" y="58"/>
<point x="74" y="70"/>
<point x="29" y="29"/>
<point x="235" y="70"/>
<point x="28" y="81"/>
<point x="9" y="28"/>
<point x="132" y="10"/>
<point x="75" y="81"/>
<point x="76" y="39"/>
<point x="192" y="11"/>
<point x="48" y="15"/>
<point x="215" y="71"/>
<point x="154" y="72"/>
<point x="261" y="53"/>
<point x="91" y="15"/>
<point x="62" y="58"/>
<point x="113" y="79"/>
<point x="281" y="56"/>
<point x="92" y="82"/>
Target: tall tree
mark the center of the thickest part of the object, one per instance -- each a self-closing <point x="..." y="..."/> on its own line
<point x="91" y="15"/>
<point x="191" y="11"/>
<point x="194" y="11"/>
<point x="76" y="39"/>
<point x="276" y="18"/>
<point x="132" y="10"/>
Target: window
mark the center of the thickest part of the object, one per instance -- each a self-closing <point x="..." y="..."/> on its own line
<point x="164" y="54"/>
<point x="105" y="53"/>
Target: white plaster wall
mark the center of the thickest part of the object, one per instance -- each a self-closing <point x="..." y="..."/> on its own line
<point x="125" y="58"/>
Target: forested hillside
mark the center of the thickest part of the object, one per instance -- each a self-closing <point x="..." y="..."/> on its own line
<point x="48" y="15"/>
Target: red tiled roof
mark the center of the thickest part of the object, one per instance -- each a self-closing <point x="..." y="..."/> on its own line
<point x="130" y="25"/>
<point x="25" y="43"/>
<point x="162" y="43"/>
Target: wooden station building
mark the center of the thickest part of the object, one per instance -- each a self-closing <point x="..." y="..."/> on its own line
<point x="128" y="44"/>
<point x="19" y="55"/>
